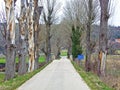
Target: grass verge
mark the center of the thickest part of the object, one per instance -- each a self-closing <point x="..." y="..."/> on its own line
<point x="63" y="53"/>
<point x="92" y="80"/>
<point x="18" y="81"/>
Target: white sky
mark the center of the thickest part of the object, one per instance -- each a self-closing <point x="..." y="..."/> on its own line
<point x="114" y="20"/>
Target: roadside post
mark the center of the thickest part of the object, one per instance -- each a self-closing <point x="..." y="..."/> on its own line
<point x="80" y="57"/>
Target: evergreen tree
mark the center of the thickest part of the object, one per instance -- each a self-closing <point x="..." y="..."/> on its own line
<point x="76" y="41"/>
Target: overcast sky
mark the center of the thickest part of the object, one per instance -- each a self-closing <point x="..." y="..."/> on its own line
<point x="114" y="20"/>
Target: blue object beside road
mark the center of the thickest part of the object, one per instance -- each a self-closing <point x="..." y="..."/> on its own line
<point x="80" y="57"/>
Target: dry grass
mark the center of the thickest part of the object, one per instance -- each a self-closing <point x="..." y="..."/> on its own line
<point x="113" y="71"/>
<point x="112" y="77"/>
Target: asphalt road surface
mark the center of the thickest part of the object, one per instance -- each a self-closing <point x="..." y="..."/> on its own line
<point x="59" y="75"/>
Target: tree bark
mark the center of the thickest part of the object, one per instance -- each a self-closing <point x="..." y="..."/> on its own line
<point x="49" y="16"/>
<point x="88" y="52"/>
<point x="88" y="31"/>
<point x="22" y="43"/>
<point x="31" y="37"/>
<point x="37" y="12"/>
<point x="48" y="44"/>
<point x="103" y="36"/>
<point x="58" y="53"/>
<point x="22" y="56"/>
<point x="69" y="51"/>
<point x="10" y="40"/>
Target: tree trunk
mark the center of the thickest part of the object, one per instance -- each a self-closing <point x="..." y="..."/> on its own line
<point x="88" y="52"/>
<point x="58" y="53"/>
<point x="22" y="56"/>
<point x="31" y="38"/>
<point x="69" y="52"/>
<point x="22" y="43"/>
<point x="88" y="41"/>
<point x="37" y="12"/>
<point x="48" y="44"/>
<point x="10" y="40"/>
<point x="103" y="36"/>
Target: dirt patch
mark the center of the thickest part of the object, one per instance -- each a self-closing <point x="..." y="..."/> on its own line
<point x="2" y="67"/>
<point x="112" y="81"/>
<point x="112" y="77"/>
<point x="113" y="72"/>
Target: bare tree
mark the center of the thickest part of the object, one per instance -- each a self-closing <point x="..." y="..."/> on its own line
<point x="31" y="46"/>
<point x="73" y="12"/>
<point x="73" y="17"/>
<point x="83" y="13"/>
<point x="22" y="39"/>
<point x="57" y="40"/>
<point x="90" y="6"/>
<point x="65" y="28"/>
<point x="33" y="14"/>
<point x="106" y="11"/>
<point x="50" y="10"/>
<point x="28" y="34"/>
<point x="36" y="25"/>
<point x="10" y="39"/>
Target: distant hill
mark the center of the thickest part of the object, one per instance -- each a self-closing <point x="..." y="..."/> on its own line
<point x="113" y="35"/>
<point x="113" y="32"/>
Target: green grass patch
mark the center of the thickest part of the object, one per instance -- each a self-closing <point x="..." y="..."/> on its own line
<point x="41" y="59"/>
<point x="64" y="53"/>
<point x="91" y="79"/>
<point x="18" y="81"/>
<point x="2" y="60"/>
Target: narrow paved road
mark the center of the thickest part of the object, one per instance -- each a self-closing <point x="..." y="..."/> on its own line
<point x="59" y="75"/>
